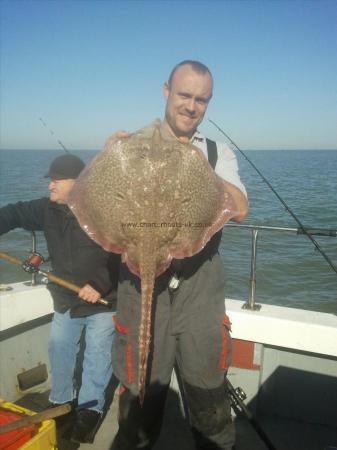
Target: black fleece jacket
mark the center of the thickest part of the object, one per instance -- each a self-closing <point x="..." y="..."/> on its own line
<point x="73" y="255"/>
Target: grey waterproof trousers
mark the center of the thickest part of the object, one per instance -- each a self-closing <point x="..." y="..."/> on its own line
<point x="190" y="329"/>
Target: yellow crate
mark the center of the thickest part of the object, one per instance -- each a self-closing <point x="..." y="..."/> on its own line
<point x="45" y="437"/>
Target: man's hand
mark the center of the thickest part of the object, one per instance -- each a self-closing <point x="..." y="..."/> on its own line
<point x="89" y="294"/>
<point x="240" y="201"/>
<point x="184" y="139"/>
<point x="120" y="134"/>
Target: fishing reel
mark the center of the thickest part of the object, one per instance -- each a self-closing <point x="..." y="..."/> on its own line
<point x="237" y="396"/>
<point x="32" y="264"/>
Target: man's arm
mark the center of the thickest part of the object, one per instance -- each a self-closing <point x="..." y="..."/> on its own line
<point x="227" y="168"/>
<point x="28" y="215"/>
<point x="103" y="281"/>
<point x="240" y="201"/>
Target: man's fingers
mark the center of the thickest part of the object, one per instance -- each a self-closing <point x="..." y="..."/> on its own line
<point x="89" y="294"/>
<point x="184" y="139"/>
<point x="120" y="134"/>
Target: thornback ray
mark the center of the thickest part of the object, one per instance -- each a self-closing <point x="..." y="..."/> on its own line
<point x="151" y="198"/>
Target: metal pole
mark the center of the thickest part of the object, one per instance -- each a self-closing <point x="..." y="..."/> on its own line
<point x="252" y="283"/>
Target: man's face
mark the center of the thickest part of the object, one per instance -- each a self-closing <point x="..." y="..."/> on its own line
<point x="59" y="190"/>
<point x="187" y="100"/>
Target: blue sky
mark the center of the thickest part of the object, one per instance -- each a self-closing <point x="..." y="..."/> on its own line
<point x="88" y="68"/>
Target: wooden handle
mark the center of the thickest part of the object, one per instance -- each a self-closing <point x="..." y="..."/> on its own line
<point x="51" y="277"/>
<point x="69" y="285"/>
<point x="36" y="418"/>
<point x="11" y="259"/>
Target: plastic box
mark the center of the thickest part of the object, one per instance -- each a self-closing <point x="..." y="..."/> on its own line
<point x="40" y="436"/>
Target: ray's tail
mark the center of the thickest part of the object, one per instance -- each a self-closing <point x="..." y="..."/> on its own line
<point x="147" y="273"/>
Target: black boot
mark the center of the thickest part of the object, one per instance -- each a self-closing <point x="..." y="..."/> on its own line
<point x="139" y="426"/>
<point x="210" y="415"/>
<point x="86" y="425"/>
<point x="66" y="419"/>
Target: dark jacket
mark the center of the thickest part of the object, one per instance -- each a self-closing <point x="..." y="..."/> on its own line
<point x="73" y="255"/>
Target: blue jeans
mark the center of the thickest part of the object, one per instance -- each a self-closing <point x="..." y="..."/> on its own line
<point x="63" y="347"/>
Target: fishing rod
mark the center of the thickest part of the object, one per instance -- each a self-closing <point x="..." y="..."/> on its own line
<point x="50" y="413"/>
<point x="53" y="134"/>
<point x="237" y="397"/>
<point x="302" y="229"/>
<point x="32" y="265"/>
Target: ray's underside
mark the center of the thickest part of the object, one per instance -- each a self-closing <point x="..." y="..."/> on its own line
<point x="150" y="198"/>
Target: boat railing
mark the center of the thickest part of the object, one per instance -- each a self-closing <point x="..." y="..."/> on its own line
<point x="255" y="229"/>
<point x="251" y="303"/>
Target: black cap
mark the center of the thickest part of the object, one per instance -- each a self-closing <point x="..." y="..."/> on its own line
<point x="65" y="167"/>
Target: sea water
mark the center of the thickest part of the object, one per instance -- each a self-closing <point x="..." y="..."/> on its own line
<point x="290" y="271"/>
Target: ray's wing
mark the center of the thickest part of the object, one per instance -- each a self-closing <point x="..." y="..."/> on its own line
<point x="205" y="205"/>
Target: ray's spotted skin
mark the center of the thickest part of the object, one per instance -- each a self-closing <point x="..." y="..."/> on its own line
<point x="151" y="198"/>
